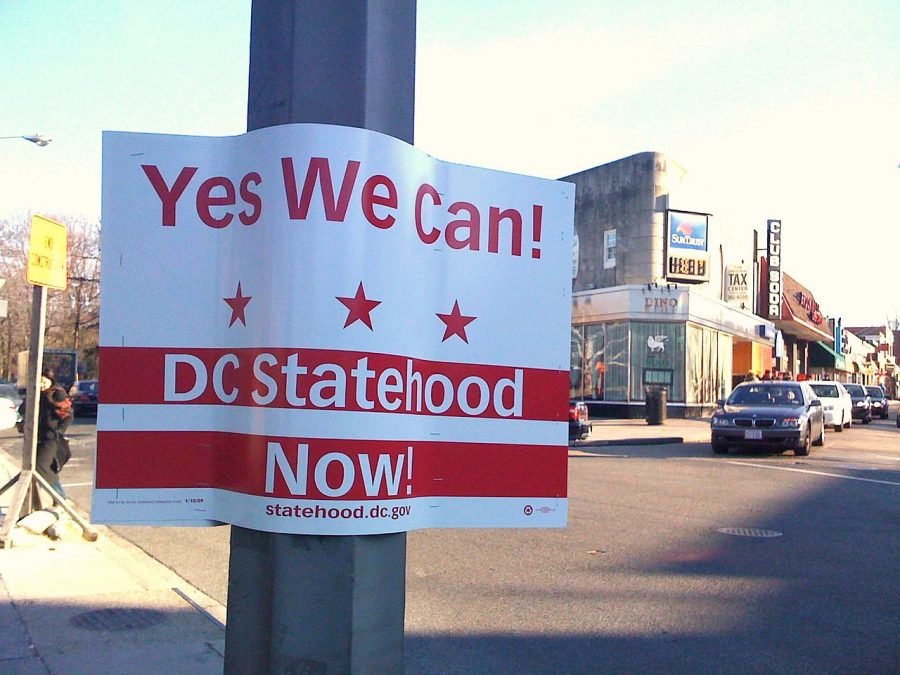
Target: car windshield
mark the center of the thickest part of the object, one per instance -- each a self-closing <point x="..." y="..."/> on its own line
<point x="9" y="391"/>
<point x="855" y="390"/>
<point x="765" y="395"/>
<point x="874" y="392"/>
<point x="825" y="390"/>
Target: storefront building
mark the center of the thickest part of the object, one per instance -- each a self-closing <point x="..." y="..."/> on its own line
<point x="629" y="338"/>
<point x="648" y="307"/>
<point x="860" y="358"/>
<point x="808" y="337"/>
<point x="882" y="357"/>
<point x="831" y="361"/>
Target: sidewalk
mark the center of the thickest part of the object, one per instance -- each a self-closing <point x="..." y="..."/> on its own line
<point x="71" y="606"/>
<point x="607" y="433"/>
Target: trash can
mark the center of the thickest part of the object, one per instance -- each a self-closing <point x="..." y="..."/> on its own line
<point x="655" y="403"/>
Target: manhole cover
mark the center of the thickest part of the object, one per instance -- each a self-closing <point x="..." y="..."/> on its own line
<point x="749" y="532"/>
<point x="125" y="618"/>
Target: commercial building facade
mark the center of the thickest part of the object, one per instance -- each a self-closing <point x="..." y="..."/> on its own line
<point x="648" y="308"/>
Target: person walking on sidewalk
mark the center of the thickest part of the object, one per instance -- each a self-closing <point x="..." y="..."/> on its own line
<point x="54" y="417"/>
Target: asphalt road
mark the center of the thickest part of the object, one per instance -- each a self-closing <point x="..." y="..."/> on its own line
<point x="674" y="560"/>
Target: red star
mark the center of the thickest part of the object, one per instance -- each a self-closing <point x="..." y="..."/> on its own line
<point x="238" y="304"/>
<point x="456" y="323"/>
<point x="360" y="307"/>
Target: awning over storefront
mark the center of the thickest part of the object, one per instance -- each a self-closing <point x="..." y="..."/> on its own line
<point x="823" y="356"/>
<point x="800" y="315"/>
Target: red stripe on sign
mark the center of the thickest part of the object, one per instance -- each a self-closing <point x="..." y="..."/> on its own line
<point x="330" y="380"/>
<point x="327" y="468"/>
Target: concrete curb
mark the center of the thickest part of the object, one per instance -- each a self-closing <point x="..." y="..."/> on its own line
<point x="660" y="440"/>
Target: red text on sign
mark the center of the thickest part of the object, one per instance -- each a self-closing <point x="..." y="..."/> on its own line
<point x="216" y="192"/>
<point x="335" y="474"/>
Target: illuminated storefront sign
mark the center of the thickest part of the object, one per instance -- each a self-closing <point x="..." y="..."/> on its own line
<point x="687" y="259"/>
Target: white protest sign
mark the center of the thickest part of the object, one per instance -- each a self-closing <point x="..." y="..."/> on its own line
<point x="322" y="330"/>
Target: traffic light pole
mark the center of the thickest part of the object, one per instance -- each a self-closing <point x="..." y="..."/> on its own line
<point x="304" y="603"/>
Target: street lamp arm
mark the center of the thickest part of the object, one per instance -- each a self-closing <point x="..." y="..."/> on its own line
<point x="37" y="139"/>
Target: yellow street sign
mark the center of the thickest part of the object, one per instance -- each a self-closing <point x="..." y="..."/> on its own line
<point x="47" y="254"/>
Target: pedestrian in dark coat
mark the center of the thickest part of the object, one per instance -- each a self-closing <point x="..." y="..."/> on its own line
<point x="54" y="417"/>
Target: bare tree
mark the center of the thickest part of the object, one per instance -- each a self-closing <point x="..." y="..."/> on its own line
<point x="72" y="314"/>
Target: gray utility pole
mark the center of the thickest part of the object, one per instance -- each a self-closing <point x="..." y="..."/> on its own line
<point x="304" y="603"/>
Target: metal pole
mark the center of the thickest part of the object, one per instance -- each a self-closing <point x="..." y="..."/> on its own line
<point x="755" y="286"/>
<point x="25" y="498"/>
<point x="300" y="603"/>
<point x="35" y="363"/>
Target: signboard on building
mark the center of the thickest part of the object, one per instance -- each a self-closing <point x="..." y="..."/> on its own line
<point x="774" y="281"/>
<point x="687" y="259"/>
<point x="321" y="330"/>
<point x="811" y="307"/>
<point x="737" y="285"/>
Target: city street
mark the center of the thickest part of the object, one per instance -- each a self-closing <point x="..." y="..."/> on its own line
<point x="674" y="560"/>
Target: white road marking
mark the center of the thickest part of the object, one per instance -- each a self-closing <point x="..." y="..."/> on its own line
<point x="65" y="485"/>
<point x="815" y="473"/>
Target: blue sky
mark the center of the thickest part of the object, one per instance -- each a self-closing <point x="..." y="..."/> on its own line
<point x="787" y="109"/>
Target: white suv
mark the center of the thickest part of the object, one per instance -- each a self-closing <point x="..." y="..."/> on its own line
<point x="836" y="403"/>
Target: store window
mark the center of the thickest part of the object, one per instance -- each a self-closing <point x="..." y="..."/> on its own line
<point x="587" y="375"/>
<point x="657" y="359"/>
<point x="576" y="363"/>
<point x="615" y="379"/>
<point x="694" y="364"/>
<point x="726" y="361"/>
<point x="708" y="365"/>
<point x="595" y="363"/>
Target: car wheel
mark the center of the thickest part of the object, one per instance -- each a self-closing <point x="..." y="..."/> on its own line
<point x="803" y="449"/>
<point x="821" y="439"/>
<point x="867" y="419"/>
<point x="840" y="427"/>
<point x="720" y="448"/>
<point x="849" y="423"/>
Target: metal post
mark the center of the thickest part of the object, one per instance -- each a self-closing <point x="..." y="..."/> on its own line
<point x="25" y="498"/>
<point x="300" y="603"/>
<point x="754" y="287"/>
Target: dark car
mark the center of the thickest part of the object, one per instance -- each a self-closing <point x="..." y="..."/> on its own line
<point x="862" y="404"/>
<point x="777" y="415"/>
<point x="84" y="395"/>
<point x="579" y="426"/>
<point x="879" y="402"/>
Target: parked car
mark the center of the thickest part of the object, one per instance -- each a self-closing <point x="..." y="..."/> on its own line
<point x="84" y="395"/>
<point x="9" y="405"/>
<point x="836" y="403"/>
<point x="879" y="402"/>
<point x="770" y="414"/>
<point x="579" y="426"/>
<point x="862" y="404"/>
